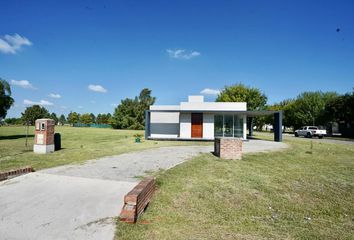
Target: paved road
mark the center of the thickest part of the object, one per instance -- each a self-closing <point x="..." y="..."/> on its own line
<point x="81" y="201"/>
<point x="325" y="140"/>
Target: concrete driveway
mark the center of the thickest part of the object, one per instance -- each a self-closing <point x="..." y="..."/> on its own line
<point x="83" y="201"/>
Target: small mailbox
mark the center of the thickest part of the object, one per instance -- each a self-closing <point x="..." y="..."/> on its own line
<point x="44" y="136"/>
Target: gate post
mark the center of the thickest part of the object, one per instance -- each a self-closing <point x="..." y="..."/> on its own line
<point x="147" y="124"/>
<point x="278" y="124"/>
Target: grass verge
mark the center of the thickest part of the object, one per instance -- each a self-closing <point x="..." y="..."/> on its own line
<point x="303" y="192"/>
<point x="79" y="145"/>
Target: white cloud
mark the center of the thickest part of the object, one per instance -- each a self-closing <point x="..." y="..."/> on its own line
<point x="41" y="102"/>
<point x="97" y="88"/>
<point x="114" y="104"/>
<point x="182" y="54"/>
<point x="209" y="91"/>
<point x="22" y="83"/>
<point x="54" y="95"/>
<point x="80" y="107"/>
<point x="11" y="44"/>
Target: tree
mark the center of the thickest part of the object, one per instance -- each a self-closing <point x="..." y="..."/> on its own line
<point x="6" y="100"/>
<point x="54" y="117"/>
<point x="288" y="114"/>
<point x="255" y="99"/>
<point x="308" y="108"/>
<point x="62" y="119"/>
<point x="130" y="113"/>
<point x="73" y="117"/>
<point x="103" y="118"/>
<point x="13" y="121"/>
<point x="86" y="118"/>
<point x="33" y="113"/>
<point x="93" y="117"/>
<point x="341" y="110"/>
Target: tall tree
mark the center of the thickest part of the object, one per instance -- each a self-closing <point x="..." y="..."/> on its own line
<point x="6" y="100"/>
<point x="103" y="118"/>
<point x="308" y="108"/>
<point x="130" y="113"/>
<point x="73" y="117"/>
<point x="86" y="118"/>
<point x="54" y="117"/>
<point x="62" y="119"/>
<point x="255" y="99"/>
<point x="341" y="110"/>
<point x="93" y="118"/>
<point x="31" y="114"/>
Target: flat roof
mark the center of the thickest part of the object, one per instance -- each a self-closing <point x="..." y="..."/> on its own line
<point x="253" y="113"/>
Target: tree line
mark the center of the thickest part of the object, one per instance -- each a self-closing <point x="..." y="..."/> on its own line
<point x="129" y="114"/>
<point x="308" y="108"/>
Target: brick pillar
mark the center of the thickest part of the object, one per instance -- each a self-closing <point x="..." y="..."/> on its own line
<point x="228" y="148"/>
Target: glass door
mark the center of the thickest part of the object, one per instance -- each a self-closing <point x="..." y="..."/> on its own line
<point x="228" y="125"/>
<point x="218" y="125"/>
<point x="238" y="126"/>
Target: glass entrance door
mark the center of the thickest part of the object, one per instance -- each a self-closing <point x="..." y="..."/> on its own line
<point x="228" y="125"/>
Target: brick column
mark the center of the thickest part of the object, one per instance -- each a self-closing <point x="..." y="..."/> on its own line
<point x="228" y="148"/>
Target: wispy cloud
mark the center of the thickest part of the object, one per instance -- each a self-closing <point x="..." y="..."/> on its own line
<point x="22" y="83"/>
<point x="80" y="107"/>
<point x="97" y="88"/>
<point x="114" y="104"/>
<point x="54" y="95"/>
<point x="12" y="44"/>
<point x="182" y="54"/>
<point x="41" y="102"/>
<point x="209" y="91"/>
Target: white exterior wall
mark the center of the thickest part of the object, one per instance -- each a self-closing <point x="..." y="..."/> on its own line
<point x="197" y="98"/>
<point x="164" y="124"/>
<point x="208" y="126"/>
<point x="185" y="128"/>
<point x="213" y="106"/>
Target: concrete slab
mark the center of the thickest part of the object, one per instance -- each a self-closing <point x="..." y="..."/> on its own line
<point x="47" y="206"/>
<point x="129" y="166"/>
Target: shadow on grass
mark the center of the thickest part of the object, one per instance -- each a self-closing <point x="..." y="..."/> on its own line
<point x="15" y="137"/>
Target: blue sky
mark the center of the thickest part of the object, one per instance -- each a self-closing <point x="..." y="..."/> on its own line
<point x="52" y="51"/>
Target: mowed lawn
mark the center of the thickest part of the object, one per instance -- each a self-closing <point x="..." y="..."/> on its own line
<point x="303" y="192"/>
<point x="79" y="144"/>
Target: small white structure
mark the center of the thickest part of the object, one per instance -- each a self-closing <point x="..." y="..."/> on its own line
<point x="197" y="119"/>
<point x="44" y="136"/>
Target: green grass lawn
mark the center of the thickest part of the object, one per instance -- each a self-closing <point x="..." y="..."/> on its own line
<point x="79" y="144"/>
<point x="299" y="193"/>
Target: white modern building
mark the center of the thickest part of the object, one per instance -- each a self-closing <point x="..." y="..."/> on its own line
<point x="199" y="120"/>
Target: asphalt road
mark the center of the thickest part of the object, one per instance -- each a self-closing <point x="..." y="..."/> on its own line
<point x="326" y="140"/>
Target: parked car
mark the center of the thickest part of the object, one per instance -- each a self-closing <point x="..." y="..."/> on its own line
<point x="310" y="131"/>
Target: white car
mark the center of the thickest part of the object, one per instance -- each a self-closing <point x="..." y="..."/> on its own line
<point x="310" y="131"/>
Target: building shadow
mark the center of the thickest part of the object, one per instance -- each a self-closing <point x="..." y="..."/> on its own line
<point x="15" y="137"/>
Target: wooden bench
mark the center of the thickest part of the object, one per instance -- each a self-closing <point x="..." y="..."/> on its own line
<point x="136" y="201"/>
